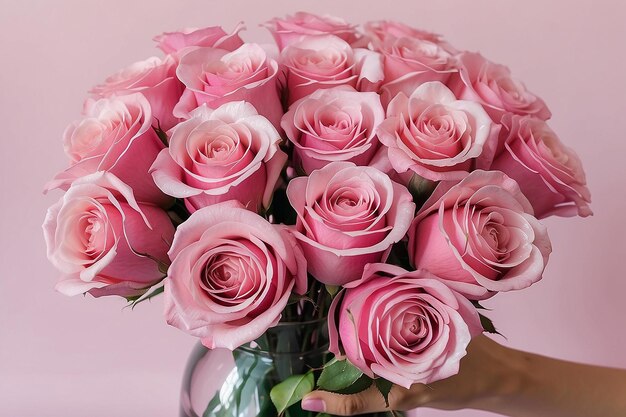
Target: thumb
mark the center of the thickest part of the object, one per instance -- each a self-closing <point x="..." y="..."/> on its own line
<point x="368" y="401"/>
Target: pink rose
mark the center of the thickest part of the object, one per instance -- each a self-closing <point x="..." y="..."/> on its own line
<point x="348" y="216"/>
<point x="216" y="76"/>
<point x="115" y="136"/>
<point x="230" y="153"/>
<point x="316" y="62"/>
<point x="410" y="62"/>
<point x="292" y="28"/>
<point x="492" y="86"/>
<point x="479" y="235"/>
<point x="337" y="124"/>
<point x="382" y="31"/>
<point x="215" y="37"/>
<point x="549" y="173"/>
<point x="407" y="327"/>
<point x="103" y="241"/>
<point x="156" y="79"/>
<point x="433" y="134"/>
<point x="231" y="276"/>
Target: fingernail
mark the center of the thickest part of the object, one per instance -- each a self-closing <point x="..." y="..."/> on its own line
<point x="313" y="404"/>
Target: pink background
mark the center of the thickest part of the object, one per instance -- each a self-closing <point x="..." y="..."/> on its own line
<point x="84" y="357"/>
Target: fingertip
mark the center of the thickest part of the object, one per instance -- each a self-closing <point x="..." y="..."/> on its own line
<point x="311" y="402"/>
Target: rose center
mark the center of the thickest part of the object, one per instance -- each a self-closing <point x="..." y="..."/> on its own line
<point x="94" y="233"/>
<point x="415" y="327"/>
<point x="227" y="277"/>
<point x="496" y="236"/>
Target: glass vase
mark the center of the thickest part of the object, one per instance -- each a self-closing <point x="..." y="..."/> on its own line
<point x="224" y="383"/>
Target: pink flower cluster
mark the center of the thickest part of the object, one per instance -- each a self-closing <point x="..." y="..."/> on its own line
<point x="177" y="162"/>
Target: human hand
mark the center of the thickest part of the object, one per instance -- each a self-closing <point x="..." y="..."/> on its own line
<point x="486" y="375"/>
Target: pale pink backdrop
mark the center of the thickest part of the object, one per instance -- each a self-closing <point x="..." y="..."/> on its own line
<point x="84" y="357"/>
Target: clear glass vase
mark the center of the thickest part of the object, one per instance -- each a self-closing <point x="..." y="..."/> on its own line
<point x="224" y="383"/>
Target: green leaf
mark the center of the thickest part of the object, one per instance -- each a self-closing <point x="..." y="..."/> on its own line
<point x="479" y="306"/>
<point x="133" y="301"/>
<point x="488" y="325"/>
<point x="420" y="188"/>
<point x="361" y="384"/>
<point x="338" y="375"/>
<point x="161" y="134"/>
<point x="399" y="255"/>
<point x="291" y="390"/>
<point x="323" y="415"/>
<point x="384" y="387"/>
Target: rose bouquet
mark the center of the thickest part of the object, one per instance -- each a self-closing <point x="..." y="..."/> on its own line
<point x="379" y="180"/>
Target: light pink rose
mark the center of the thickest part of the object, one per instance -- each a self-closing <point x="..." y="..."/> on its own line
<point x="115" y="136"/>
<point x="292" y="28"/>
<point x="230" y="153"/>
<point x="410" y="62"/>
<point x="216" y="76"/>
<point x="479" y="235"/>
<point x="433" y="134"/>
<point x="214" y="36"/>
<point x="406" y="327"/>
<point x="549" y="173"/>
<point x="492" y="86"/>
<point x="103" y="241"/>
<point x="348" y="216"/>
<point x="316" y="62"/>
<point x="381" y="31"/>
<point x="231" y="276"/>
<point x="337" y="124"/>
<point x="155" y="78"/>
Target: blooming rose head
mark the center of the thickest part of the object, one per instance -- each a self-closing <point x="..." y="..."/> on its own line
<point x="115" y="136"/>
<point x="407" y="327"/>
<point x="214" y="76"/>
<point x="549" y="173"/>
<point x="231" y="275"/>
<point x="214" y="36"/>
<point x="492" y="86"/>
<point x="379" y="32"/>
<point x="230" y="153"/>
<point x="155" y="78"/>
<point x="316" y="62"/>
<point x="348" y="216"/>
<point x="292" y="28"/>
<point x="338" y="124"/>
<point x="103" y="241"/>
<point x="433" y="134"/>
<point x="479" y="235"/>
<point x="410" y="62"/>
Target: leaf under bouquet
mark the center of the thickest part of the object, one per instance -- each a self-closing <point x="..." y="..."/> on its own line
<point x="378" y="177"/>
